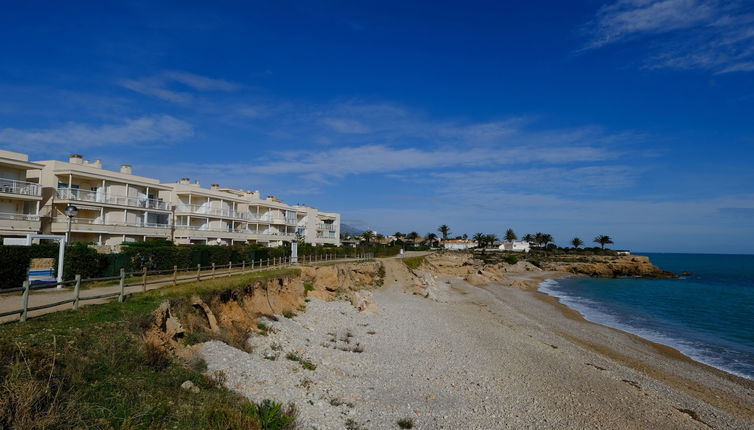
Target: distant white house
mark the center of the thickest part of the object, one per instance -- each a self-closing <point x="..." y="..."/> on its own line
<point x="515" y="245"/>
<point x="623" y="252"/>
<point x="458" y="244"/>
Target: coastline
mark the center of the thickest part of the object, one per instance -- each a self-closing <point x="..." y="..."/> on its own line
<point x="478" y="357"/>
<point x="691" y="386"/>
<point x="668" y="350"/>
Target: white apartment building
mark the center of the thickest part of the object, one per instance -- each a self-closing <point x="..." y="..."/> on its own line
<point x="118" y="206"/>
<point x="318" y="227"/>
<point x="113" y="206"/>
<point x="20" y="199"/>
<point x="516" y="246"/>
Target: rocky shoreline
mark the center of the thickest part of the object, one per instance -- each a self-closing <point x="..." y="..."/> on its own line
<point x="456" y="342"/>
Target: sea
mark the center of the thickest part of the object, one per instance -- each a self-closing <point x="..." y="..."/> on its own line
<point x="707" y="315"/>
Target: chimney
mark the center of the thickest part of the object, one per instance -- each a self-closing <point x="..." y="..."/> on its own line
<point x="76" y="159"/>
<point x="184" y="181"/>
<point x="215" y="187"/>
<point x="197" y="183"/>
<point x="97" y="164"/>
<point x="126" y="168"/>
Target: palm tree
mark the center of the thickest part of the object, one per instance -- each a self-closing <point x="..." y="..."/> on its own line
<point x="398" y="235"/>
<point x="510" y="235"/>
<point x="547" y="238"/>
<point x="479" y="239"/>
<point x="528" y="238"/>
<point x="490" y="238"/>
<point x="444" y="230"/>
<point x="412" y="236"/>
<point x="465" y="236"/>
<point x="379" y="236"/>
<point x="367" y="236"/>
<point x="603" y="240"/>
<point x="431" y="238"/>
<point x="576" y="242"/>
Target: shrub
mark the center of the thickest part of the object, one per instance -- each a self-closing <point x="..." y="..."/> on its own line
<point x="511" y="259"/>
<point x="405" y="423"/>
<point x="82" y="260"/>
<point x="272" y="416"/>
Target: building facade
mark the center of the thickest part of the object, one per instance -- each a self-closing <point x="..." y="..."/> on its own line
<point x="113" y="206"/>
<point x="118" y="206"/>
<point x="20" y="195"/>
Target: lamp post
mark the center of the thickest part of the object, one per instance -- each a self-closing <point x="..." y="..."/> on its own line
<point x="70" y="211"/>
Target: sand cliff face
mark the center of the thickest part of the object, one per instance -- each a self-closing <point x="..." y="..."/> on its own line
<point x="608" y="266"/>
<point x="230" y="315"/>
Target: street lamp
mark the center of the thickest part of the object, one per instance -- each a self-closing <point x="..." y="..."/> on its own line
<point x="70" y="211"/>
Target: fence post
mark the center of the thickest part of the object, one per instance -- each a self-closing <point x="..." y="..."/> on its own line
<point x="252" y="264"/>
<point x="25" y="301"/>
<point x="213" y="270"/>
<point x="122" y="284"/>
<point x="175" y="275"/>
<point x="230" y="267"/>
<point x="199" y="272"/>
<point x="76" y="292"/>
<point x="144" y="280"/>
<point x="243" y="266"/>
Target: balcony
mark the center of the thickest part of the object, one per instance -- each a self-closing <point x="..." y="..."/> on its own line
<point x="326" y="227"/>
<point x="208" y="210"/>
<point x="19" y="217"/>
<point x="21" y="188"/>
<point x="110" y="199"/>
<point x="98" y="221"/>
<point x="12" y="223"/>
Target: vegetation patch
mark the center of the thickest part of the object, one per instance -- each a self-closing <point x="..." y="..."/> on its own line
<point x="413" y="263"/>
<point x="405" y="423"/>
<point x="91" y="368"/>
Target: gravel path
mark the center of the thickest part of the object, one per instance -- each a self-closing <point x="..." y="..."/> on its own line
<point x="480" y="359"/>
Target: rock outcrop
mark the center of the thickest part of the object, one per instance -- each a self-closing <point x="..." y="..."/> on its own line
<point x="608" y="266"/>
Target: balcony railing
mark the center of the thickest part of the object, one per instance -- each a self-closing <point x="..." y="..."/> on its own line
<point x="205" y="227"/>
<point x="12" y="186"/>
<point x="99" y="221"/>
<point x="326" y="227"/>
<point x="19" y="217"/>
<point x="208" y="210"/>
<point x="100" y="197"/>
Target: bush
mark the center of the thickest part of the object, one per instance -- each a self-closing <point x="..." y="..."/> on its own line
<point x="272" y="416"/>
<point x="511" y="259"/>
<point x="82" y="260"/>
<point x="14" y="265"/>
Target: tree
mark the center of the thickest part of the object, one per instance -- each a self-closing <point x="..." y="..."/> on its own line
<point x="490" y="239"/>
<point x="379" y="236"/>
<point x="510" y="235"/>
<point x="479" y="239"/>
<point x="576" y="242"/>
<point x="412" y="236"/>
<point x="528" y="238"/>
<point x="547" y="238"/>
<point x="399" y="235"/>
<point x="431" y="238"/>
<point x="367" y="235"/>
<point x="603" y="240"/>
<point x="465" y="236"/>
<point x="444" y="230"/>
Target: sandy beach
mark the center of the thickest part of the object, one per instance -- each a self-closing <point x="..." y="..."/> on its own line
<point x="475" y="357"/>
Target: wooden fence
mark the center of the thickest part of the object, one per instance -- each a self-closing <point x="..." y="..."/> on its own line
<point x="142" y="279"/>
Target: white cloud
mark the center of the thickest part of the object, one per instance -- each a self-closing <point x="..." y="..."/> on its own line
<point x="200" y="83"/>
<point x="159" y="85"/>
<point x="684" y="34"/>
<point x="139" y="130"/>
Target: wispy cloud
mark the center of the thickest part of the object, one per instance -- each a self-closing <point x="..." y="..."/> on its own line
<point x="140" y="130"/>
<point x="162" y="85"/>
<point x="683" y="34"/>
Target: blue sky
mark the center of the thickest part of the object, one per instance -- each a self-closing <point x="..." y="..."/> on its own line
<point x="633" y="118"/>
